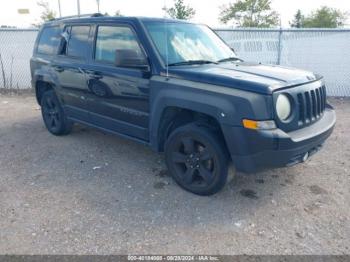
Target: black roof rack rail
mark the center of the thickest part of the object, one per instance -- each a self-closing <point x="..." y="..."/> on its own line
<point x="77" y="16"/>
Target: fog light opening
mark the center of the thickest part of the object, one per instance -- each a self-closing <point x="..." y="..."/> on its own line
<point x="305" y="157"/>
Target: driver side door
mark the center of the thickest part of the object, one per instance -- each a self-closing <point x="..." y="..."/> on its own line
<point x="120" y="95"/>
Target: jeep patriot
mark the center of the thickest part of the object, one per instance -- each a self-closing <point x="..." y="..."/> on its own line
<point x="179" y="88"/>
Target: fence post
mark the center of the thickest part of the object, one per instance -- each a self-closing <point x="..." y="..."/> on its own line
<point x="279" y="46"/>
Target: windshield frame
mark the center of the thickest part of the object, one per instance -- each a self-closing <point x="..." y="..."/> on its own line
<point x="163" y="61"/>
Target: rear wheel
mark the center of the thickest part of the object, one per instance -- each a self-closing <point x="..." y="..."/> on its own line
<point x="53" y="114"/>
<point x="197" y="160"/>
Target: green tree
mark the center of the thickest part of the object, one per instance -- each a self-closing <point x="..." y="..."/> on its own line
<point x="180" y="11"/>
<point x="325" y="17"/>
<point x="298" y="20"/>
<point x="47" y="13"/>
<point x="250" y="13"/>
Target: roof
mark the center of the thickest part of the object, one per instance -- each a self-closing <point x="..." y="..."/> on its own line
<point x="98" y="18"/>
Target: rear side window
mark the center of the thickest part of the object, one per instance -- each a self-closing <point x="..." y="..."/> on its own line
<point x="111" y="38"/>
<point x="78" y="41"/>
<point x="49" y="40"/>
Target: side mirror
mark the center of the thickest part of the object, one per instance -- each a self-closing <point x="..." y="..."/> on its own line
<point x="131" y="59"/>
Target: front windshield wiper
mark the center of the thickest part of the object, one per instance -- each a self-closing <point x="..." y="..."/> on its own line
<point x="192" y="62"/>
<point x="230" y="59"/>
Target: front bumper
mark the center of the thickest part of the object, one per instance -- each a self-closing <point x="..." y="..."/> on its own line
<point x="253" y="150"/>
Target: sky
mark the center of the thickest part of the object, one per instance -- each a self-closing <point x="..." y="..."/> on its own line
<point x="207" y="11"/>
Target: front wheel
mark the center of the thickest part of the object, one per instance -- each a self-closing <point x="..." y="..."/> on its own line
<point x="53" y="114"/>
<point x="197" y="159"/>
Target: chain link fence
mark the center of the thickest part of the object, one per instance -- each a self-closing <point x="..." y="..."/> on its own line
<point x="322" y="51"/>
<point x="16" y="48"/>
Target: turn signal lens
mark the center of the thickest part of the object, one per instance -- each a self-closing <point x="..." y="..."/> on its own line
<point x="262" y="125"/>
<point x="251" y="124"/>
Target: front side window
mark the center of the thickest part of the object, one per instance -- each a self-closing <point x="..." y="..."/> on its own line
<point x="181" y="42"/>
<point x="112" y="38"/>
<point x="78" y="41"/>
<point x="49" y="40"/>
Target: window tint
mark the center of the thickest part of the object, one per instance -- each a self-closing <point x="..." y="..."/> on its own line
<point x="49" y="40"/>
<point x="78" y="41"/>
<point x="111" y="38"/>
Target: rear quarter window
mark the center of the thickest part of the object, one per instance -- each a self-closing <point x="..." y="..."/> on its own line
<point x="49" y="40"/>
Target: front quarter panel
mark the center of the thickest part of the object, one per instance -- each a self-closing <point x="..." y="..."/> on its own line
<point x="227" y="105"/>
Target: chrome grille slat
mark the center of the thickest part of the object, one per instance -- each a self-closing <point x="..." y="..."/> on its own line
<point x="313" y="105"/>
<point x="308" y="106"/>
<point x="321" y="97"/>
<point x="318" y="101"/>
<point x="324" y="97"/>
<point x="302" y="105"/>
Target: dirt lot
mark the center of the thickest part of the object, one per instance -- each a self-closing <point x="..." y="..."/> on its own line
<point x="94" y="193"/>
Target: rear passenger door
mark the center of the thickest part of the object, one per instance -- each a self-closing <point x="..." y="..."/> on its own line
<point x="69" y="66"/>
<point x="120" y="95"/>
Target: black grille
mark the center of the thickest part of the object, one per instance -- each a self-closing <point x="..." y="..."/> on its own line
<point x="311" y="105"/>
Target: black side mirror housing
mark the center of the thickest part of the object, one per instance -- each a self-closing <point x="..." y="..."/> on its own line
<point x="130" y="59"/>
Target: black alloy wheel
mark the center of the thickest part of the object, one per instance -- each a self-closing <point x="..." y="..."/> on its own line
<point x="197" y="159"/>
<point x="53" y="114"/>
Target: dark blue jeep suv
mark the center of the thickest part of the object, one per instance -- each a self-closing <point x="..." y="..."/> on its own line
<point x="177" y="87"/>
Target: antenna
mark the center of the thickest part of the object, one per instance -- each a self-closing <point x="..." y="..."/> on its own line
<point x="98" y="5"/>
<point x="166" y="40"/>
<point x="59" y="8"/>
<point x="78" y="7"/>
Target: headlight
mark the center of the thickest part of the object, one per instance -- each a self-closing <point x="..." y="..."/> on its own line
<point x="283" y="107"/>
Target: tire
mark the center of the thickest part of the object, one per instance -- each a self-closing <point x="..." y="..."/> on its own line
<point x="53" y="115"/>
<point x="197" y="159"/>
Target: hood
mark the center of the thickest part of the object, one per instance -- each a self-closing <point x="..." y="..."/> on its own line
<point x="257" y="78"/>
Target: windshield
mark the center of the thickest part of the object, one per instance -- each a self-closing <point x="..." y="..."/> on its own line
<point x="182" y="42"/>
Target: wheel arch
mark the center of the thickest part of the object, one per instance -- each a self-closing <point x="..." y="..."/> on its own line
<point x="42" y="82"/>
<point x="171" y="112"/>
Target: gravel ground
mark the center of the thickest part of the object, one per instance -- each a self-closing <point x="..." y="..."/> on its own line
<point x="94" y="193"/>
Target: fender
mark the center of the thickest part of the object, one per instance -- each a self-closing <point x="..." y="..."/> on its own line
<point x="227" y="105"/>
<point x="44" y="76"/>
